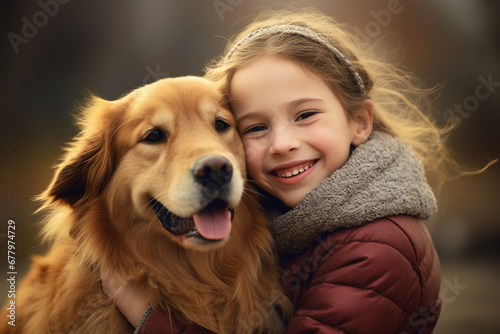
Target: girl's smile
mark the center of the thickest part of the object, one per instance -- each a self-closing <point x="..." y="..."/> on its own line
<point x="295" y="130"/>
<point x="295" y="175"/>
<point x="293" y="169"/>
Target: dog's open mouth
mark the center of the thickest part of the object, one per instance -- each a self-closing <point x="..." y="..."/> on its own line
<point x="212" y="223"/>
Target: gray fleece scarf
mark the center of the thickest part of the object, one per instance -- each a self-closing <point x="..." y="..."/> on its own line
<point x="382" y="178"/>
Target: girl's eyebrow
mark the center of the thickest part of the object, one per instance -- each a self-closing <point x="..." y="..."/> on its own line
<point x="293" y="103"/>
<point x="248" y="115"/>
<point x="305" y="100"/>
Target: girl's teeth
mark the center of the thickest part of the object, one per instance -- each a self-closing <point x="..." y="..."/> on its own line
<point x="295" y="171"/>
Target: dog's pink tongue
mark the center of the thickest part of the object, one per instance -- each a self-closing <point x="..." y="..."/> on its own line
<point x="213" y="224"/>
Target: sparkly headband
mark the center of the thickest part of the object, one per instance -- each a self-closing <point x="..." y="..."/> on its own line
<point x="306" y="32"/>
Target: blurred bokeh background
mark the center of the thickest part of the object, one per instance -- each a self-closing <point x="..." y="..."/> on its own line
<point x="54" y="51"/>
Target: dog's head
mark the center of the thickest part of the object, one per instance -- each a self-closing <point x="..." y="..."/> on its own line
<point x="166" y="154"/>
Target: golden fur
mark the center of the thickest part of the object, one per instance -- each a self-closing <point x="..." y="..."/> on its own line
<point x="101" y="222"/>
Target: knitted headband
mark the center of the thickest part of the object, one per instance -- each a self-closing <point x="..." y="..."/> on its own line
<point x="305" y="32"/>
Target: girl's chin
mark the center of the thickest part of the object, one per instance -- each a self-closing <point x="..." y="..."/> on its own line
<point x="289" y="198"/>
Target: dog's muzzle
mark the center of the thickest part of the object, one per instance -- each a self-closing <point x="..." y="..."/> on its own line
<point x="213" y="222"/>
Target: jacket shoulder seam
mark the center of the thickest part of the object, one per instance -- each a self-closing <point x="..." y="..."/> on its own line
<point x="417" y="268"/>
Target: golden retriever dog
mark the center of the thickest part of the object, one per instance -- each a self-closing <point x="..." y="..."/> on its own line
<point x="153" y="192"/>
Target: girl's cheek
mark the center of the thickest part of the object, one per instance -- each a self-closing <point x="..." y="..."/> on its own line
<point x="253" y="155"/>
<point x="250" y="153"/>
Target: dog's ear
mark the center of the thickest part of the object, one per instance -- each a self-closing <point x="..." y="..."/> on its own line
<point x="89" y="160"/>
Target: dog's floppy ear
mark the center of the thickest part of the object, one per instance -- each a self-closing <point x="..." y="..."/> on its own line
<point x="89" y="160"/>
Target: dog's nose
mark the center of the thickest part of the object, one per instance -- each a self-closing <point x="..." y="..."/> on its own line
<point x="214" y="170"/>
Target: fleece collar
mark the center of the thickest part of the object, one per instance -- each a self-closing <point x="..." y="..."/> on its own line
<point x="382" y="178"/>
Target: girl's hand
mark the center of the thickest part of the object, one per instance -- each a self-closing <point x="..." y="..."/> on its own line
<point x="129" y="299"/>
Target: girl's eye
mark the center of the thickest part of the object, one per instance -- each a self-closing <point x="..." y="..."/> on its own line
<point x="221" y="125"/>
<point x="255" y="128"/>
<point x="306" y="114"/>
<point x="155" y="136"/>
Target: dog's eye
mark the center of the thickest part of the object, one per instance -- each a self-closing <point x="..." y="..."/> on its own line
<point x="154" y="136"/>
<point x="221" y="125"/>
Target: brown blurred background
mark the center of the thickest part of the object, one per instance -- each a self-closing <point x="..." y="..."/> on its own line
<point x="52" y="54"/>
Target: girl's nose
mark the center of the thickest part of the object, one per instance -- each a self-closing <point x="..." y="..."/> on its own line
<point x="283" y="141"/>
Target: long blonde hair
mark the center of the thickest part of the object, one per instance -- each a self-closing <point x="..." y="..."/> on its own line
<point x="400" y="105"/>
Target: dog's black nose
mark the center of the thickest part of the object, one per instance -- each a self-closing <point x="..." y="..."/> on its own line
<point x="213" y="171"/>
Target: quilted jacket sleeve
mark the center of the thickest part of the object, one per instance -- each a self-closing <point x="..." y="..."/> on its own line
<point x="378" y="278"/>
<point x="159" y="321"/>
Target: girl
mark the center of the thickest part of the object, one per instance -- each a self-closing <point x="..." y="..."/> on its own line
<point x="339" y="153"/>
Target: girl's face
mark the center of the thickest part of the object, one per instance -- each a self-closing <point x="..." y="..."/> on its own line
<point x="294" y="129"/>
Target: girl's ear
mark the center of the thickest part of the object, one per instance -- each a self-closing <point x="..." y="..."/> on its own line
<point x="363" y="123"/>
<point x="89" y="161"/>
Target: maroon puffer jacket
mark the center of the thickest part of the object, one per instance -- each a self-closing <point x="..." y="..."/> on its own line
<point x="382" y="277"/>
